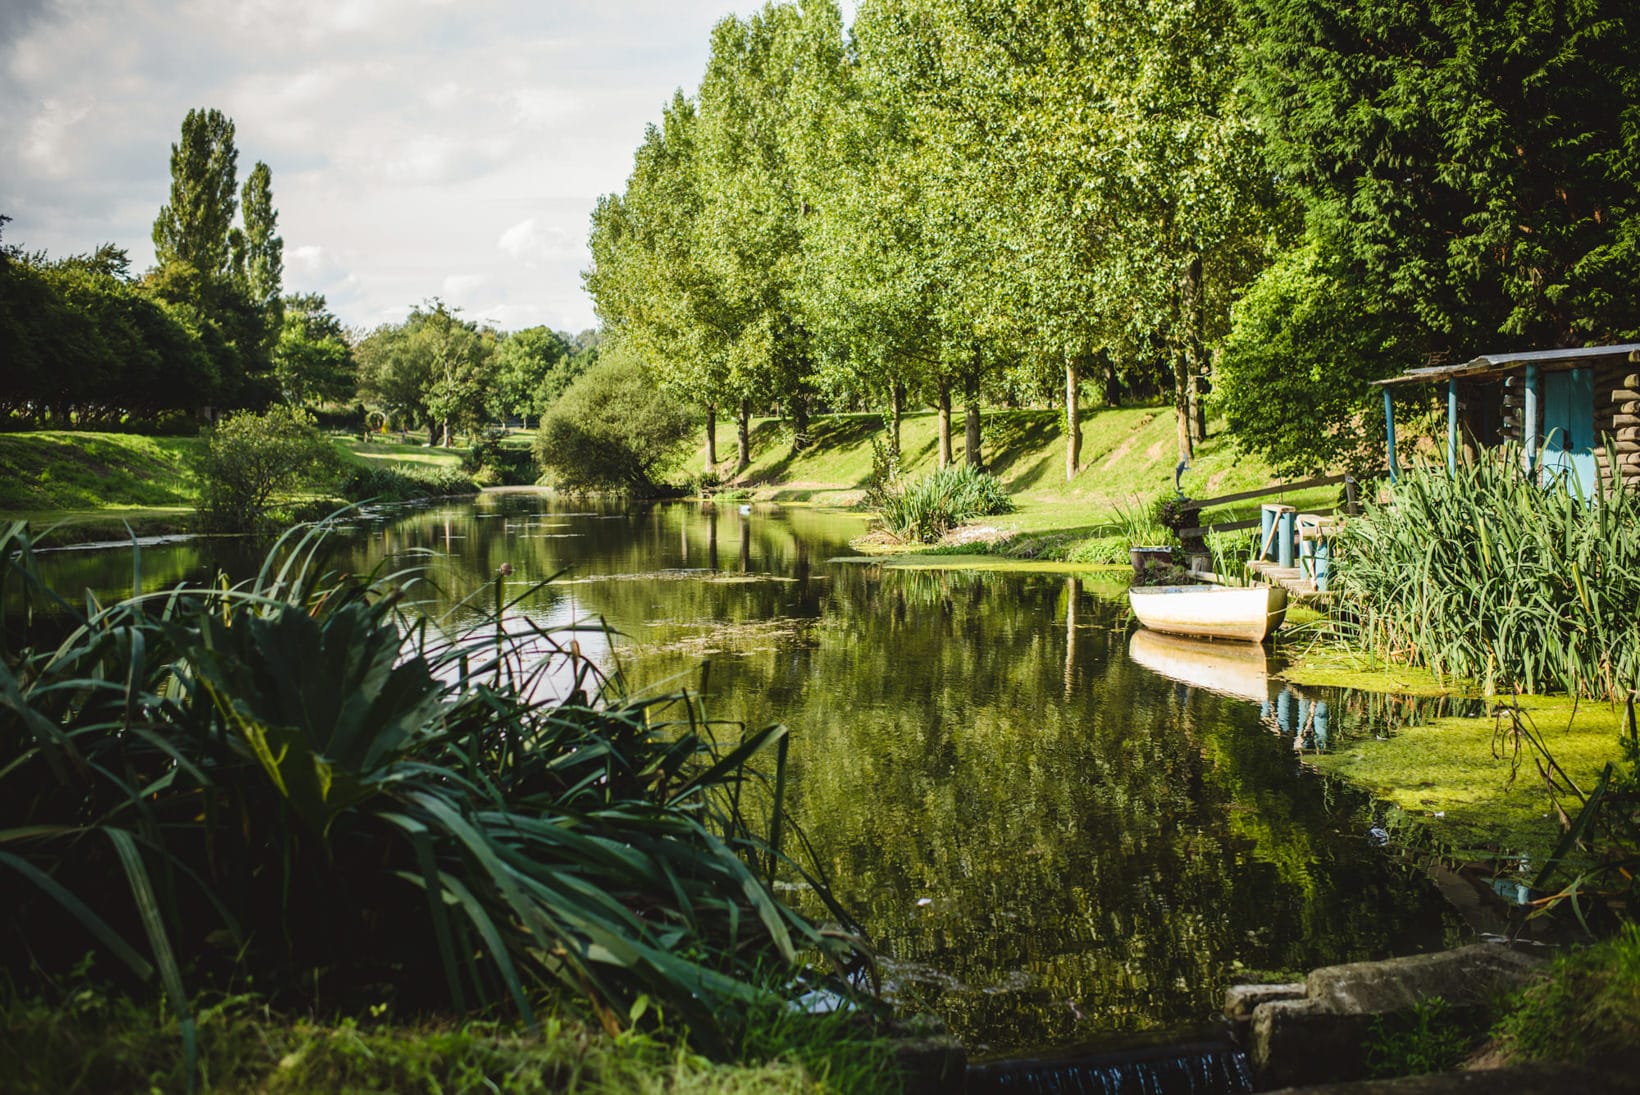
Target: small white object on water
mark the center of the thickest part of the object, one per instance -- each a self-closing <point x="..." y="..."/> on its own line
<point x="924" y="902"/>
<point x="744" y="510"/>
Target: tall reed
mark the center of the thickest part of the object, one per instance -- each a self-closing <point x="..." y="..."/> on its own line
<point x="926" y="509"/>
<point x="1484" y="572"/>
<point x="291" y="784"/>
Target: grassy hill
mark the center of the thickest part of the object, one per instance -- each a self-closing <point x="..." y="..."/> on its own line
<point x="1128" y="457"/>
<point x="92" y="485"/>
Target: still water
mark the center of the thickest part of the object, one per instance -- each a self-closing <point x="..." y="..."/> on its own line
<point x="1050" y="828"/>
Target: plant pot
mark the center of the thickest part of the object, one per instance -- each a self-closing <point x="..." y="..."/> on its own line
<point x="1145" y="557"/>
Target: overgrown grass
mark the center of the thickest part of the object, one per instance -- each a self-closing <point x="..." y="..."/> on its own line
<point x="1588" y="1006"/>
<point x="405" y="482"/>
<point x="290" y="784"/>
<point x="922" y="511"/>
<point x="91" y="1040"/>
<point x="69" y="470"/>
<point x="1485" y="574"/>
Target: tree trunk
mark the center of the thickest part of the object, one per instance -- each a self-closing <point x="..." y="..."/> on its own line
<point x="1195" y="356"/>
<point x="432" y="433"/>
<point x="1073" y="419"/>
<point x="800" y="423"/>
<point x="970" y="436"/>
<point x="896" y="404"/>
<point x="743" y="437"/>
<point x="945" y="458"/>
<point x="711" y="438"/>
<point x="1113" y="382"/>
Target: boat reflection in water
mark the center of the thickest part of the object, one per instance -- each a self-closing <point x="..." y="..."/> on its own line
<point x="1241" y="671"/>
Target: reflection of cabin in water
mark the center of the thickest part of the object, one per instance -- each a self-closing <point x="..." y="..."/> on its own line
<point x="1559" y="406"/>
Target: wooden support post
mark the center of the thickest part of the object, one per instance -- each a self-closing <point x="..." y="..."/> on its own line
<point x="1389" y="433"/>
<point x="1533" y="424"/>
<point x="1452" y="426"/>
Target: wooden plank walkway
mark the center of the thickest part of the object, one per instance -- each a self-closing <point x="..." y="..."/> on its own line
<point x="1293" y="579"/>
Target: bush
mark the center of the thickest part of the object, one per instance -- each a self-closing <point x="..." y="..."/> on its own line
<point x="289" y="785"/>
<point x="491" y="462"/>
<point x="255" y="463"/>
<point x="923" y="511"/>
<point x="404" y="483"/>
<point x="613" y="429"/>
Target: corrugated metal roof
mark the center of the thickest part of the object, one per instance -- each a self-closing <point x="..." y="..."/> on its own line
<point x="1498" y="363"/>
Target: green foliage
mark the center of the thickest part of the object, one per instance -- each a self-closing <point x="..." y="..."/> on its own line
<point x="1588" y="1005"/>
<point x="193" y="227"/>
<point x="254" y="463"/>
<point x="613" y="429"/>
<point x="1294" y="382"/>
<point x="312" y="361"/>
<point x="532" y="369"/>
<point x="1470" y="164"/>
<point x="1486" y="574"/>
<point x="1425" y="1038"/>
<point x="924" y="510"/>
<point x="434" y="369"/>
<point x="404" y="482"/>
<point x="93" y="1040"/>
<point x="492" y="462"/>
<point x="290" y="785"/>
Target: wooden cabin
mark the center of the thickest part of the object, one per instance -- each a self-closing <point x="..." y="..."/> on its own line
<point x="1561" y="407"/>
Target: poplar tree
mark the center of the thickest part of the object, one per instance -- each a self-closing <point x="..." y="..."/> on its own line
<point x="194" y="226"/>
<point x="258" y="250"/>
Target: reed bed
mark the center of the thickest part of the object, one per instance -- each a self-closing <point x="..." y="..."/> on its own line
<point x="1484" y="573"/>
<point x="291" y="786"/>
<point x="924" y="510"/>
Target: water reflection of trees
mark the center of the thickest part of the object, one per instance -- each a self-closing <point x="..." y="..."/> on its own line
<point x="1098" y="848"/>
<point x="1102" y="856"/>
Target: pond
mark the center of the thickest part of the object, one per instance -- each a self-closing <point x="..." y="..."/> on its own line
<point x="1051" y="829"/>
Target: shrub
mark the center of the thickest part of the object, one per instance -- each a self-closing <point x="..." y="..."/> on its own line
<point x="923" y="511"/>
<point x="290" y="785"/>
<point x="1485" y="573"/>
<point x="255" y="463"/>
<point x="404" y="482"/>
<point x="613" y="429"/>
<point x="1428" y="1037"/>
<point x="491" y="462"/>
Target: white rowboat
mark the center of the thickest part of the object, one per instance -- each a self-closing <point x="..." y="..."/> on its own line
<point x="1211" y="612"/>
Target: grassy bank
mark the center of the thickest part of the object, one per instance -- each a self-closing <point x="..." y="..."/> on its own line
<point x="1127" y="462"/>
<point x="86" y="486"/>
<point x="94" y="1041"/>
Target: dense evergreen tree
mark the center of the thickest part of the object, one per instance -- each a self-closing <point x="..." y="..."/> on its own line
<point x="194" y="226"/>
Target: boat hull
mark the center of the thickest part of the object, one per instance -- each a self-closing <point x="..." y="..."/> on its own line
<point x="1211" y="612"/>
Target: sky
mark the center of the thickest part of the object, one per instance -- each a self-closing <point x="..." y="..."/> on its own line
<point x="418" y="148"/>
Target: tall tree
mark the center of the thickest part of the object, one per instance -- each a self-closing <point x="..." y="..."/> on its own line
<point x="257" y="249"/>
<point x="193" y="226"/>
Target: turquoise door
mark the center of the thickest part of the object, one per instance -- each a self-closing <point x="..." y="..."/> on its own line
<point x="1568" y="428"/>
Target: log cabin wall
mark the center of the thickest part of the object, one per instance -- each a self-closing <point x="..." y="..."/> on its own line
<point x="1617" y="416"/>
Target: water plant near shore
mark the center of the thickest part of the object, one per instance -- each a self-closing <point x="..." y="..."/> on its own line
<point x="924" y="510"/>
<point x="292" y="784"/>
<point x="1481" y="572"/>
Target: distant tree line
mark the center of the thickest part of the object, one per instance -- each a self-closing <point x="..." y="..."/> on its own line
<point x="957" y="201"/>
<point x="87" y="343"/>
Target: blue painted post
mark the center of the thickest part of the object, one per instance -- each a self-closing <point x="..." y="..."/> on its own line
<point x="1389" y="434"/>
<point x="1284" y="711"/>
<point x="1266" y="521"/>
<point x="1533" y="424"/>
<point x="1284" y="538"/>
<point x="1321" y="727"/>
<point x="1323" y="556"/>
<point x="1452" y="425"/>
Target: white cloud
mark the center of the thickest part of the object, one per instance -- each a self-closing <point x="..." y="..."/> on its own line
<point x="530" y="241"/>
<point x="418" y="147"/>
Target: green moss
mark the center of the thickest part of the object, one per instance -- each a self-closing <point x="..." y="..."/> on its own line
<point x="1321" y="662"/>
<point x="1474" y="782"/>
